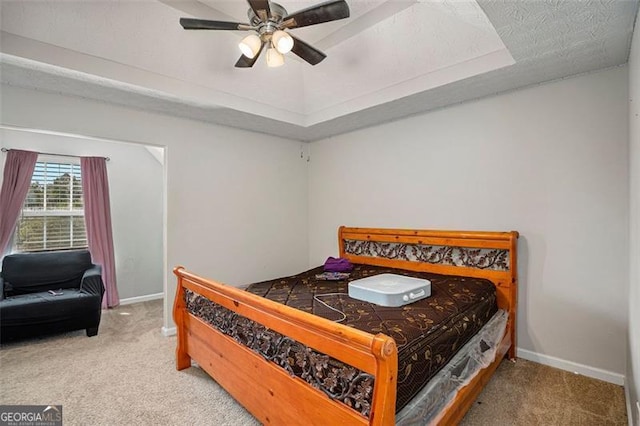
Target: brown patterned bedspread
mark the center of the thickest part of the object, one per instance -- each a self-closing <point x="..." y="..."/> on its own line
<point x="428" y="332"/>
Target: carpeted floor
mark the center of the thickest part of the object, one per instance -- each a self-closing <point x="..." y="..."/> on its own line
<point x="126" y="375"/>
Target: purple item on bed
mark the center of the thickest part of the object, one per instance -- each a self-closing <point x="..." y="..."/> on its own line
<point x="337" y="265"/>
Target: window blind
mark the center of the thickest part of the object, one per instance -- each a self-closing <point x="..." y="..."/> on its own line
<point x="52" y="216"/>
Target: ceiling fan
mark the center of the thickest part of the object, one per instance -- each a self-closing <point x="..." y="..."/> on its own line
<point x="269" y="21"/>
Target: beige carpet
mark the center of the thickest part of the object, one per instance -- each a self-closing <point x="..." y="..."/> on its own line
<point x="126" y="376"/>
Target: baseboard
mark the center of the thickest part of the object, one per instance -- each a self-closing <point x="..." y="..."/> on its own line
<point x="627" y="398"/>
<point x="169" y="331"/>
<point x="585" y="370"/>
<point x="138" y="299"/>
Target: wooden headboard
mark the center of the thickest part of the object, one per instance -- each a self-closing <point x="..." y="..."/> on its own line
<point x="490" y="255"/>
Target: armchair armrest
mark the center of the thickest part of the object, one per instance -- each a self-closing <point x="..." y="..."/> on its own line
<point x="92" y="281"/>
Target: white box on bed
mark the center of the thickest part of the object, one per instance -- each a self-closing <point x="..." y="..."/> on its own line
<point x="390" y="289"/>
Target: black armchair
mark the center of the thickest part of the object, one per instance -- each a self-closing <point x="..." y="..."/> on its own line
<point x="49" y="292"/>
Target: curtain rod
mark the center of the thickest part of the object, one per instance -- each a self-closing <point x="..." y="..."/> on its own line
<point x="56" y="155"/>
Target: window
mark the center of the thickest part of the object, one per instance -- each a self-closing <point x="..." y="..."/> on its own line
<point x="52" y="216"/>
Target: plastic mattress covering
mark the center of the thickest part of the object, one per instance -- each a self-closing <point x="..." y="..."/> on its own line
<point x="475" y="355"/>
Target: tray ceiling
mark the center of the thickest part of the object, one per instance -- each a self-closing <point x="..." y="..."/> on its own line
<point x="390" y="59"/>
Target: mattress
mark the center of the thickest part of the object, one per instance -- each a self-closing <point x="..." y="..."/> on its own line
<point x="475" y="355"/>
<point x="428" y="333"/>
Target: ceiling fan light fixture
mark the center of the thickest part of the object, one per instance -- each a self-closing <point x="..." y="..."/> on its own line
<point x="270" y="24"/>
<point x="250" y="46"/>
<point x="282" y="41"/>
<point x="274" y="58"/>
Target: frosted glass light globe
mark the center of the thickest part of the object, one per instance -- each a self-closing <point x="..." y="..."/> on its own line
<point x="274" y="58"/>
<point x="250" y="46"/>
<point x="282" y="41"/>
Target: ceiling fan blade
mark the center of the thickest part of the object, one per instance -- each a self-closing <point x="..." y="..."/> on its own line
<point x="203" y="24"/>
<point x="261" y="9"/>
<point x="245" y="62"/>
<point x="307" y="52"/>
<point x="323" y="12"/>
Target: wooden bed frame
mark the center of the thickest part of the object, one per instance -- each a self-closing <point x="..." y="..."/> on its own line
<point x="274" y="396"/>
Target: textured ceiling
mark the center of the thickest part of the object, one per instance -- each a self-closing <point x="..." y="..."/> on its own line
<point x="475" y="52"/>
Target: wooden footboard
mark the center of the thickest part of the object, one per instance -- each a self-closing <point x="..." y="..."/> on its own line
<point x="266" y="390"/>
<point x="272" y="393"/>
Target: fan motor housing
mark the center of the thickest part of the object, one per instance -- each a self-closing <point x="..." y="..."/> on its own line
<point x="277" y="13"/>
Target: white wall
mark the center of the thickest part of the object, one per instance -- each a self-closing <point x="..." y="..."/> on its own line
<point x="633" y="357"/>
<point x="548" y="161"/>
<point x="136" y="187"/>
<point x="236" y="200"/>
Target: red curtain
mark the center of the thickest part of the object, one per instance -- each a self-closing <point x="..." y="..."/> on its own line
<point x="18" y="169"/>
<point x="97" y="215"/>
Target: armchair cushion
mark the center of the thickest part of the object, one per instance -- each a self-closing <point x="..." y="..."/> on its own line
<point x="43" y="308"/>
